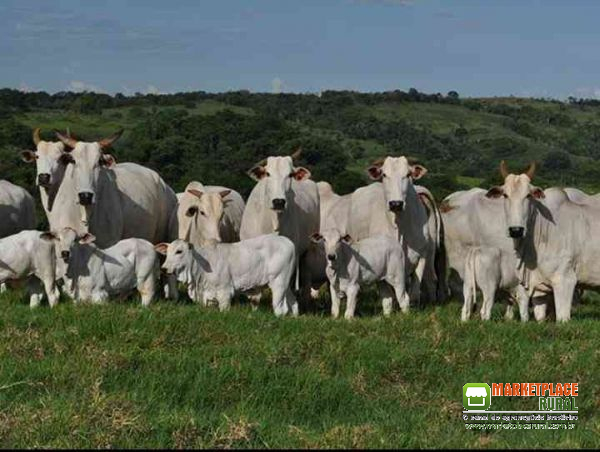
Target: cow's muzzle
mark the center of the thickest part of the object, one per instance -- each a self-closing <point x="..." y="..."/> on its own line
<point x="86" y="198"/>
<point x="516" y="232"/>
<point x="396" y="206"/>
<point x="278" y="204"/>
<point x="65" y="255"/>
<point x="331" y="257"/>
<point x="44" y="180"/>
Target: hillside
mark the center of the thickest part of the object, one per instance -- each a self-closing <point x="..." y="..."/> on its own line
<point x="215" y="138"/>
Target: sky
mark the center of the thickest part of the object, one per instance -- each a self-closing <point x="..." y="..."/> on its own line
<point x="479" y="48"/>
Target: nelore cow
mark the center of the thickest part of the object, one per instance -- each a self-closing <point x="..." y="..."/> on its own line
<point x="478" y="250"/>
<point x="84" y="188"/>
<point x="285" y="202"/>
<point x="29" y="256"/>
<point x="395" y="207"/>
<point x="219" y="270"/>
<point x="349" y="265"/>
<point x="208" y="214"/>
<point x="95" y="274"/>
<point x="555" y="238"/>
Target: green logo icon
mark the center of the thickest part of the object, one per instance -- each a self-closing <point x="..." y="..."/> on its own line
<point x="477" y="396"/>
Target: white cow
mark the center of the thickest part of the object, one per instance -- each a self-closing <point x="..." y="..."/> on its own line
<point x="374" y="259"/>
<point x="478" y="251"/>
<point x="29" y="256"/>
<point x="208" y="214"/>
<point x="286" y="202"/>
<point x="96" y="274"/>
<point x="220" y="270"/>
<point x="555" y="238"/>
<point x="83" y="188"/>
<point x="17" y="209"/>
<point x="394" y="207"/>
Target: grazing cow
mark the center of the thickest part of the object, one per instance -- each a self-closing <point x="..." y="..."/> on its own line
<point x="394" y="207"/>
<point x="17" y="209"/>
<point x="29" y="256"/>
<point x="478" y="252"/>
<point x="284" y="201"/>
<point x="555" y="238"/>
<point x="374" y="259"/>
<point x="96" y="274"/>
<point x="220" y="270"/>
<point x="209" y="214"/>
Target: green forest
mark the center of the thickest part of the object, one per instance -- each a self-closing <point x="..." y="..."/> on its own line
<point x="216" y="138"/>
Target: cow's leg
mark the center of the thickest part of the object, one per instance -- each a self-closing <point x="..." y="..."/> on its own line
<point x="51" y="290"/>
<point x="147" y="289"/>
<point x="2" y="287"/>
<point x="509" y="314"/>
<point x="170" y="289"/>
<point x="564" y="286"/>
<point x="335" y="301"/>
<point x="387" y="298"/>
<point x="469" y="298"/>
<point x="540" y="308"/>
<point x="488" y="290"/>
<point x="522" y="299"/>
<point x="278" y="291"/>
<point x="351" y="295"/>
<point x="99" y="297"/>
<point x="224" y="301"/>
<point x="254" y="301"/>
<point x="416" y="281"/>
<point x="306" y="303"/>
<point x="35" y="290"/>
<point x="291" y="301"/>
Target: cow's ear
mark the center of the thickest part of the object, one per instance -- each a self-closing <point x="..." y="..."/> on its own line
<point x="87" y="238"/>
<point x="375" y="172"/>
<point x="107" y="160"/>
<point x="495" y="192"/>
<point x="28" y="156"/>
<point x="301" y="173"/>
<point x="537" y="193"/>
<point x="48" y="236"/>
<point x="196" y="193"/>
<point x="347" y="239"/>
<point x="66" y="158"/>
<point x="316" y="237"/>
<point x="224" y="193"/>
<point x="161" y="248"/>
<point x="257" y="172"/>
<point x="417" y="171"/>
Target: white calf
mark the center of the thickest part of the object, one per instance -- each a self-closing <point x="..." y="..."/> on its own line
<point x="29" y="256"/>
<point x="219" y="270"/>
<point x="374" y="259"/>
<point x="95" y="274"/>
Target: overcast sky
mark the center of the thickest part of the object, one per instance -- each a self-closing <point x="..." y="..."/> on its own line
<point x="479" y="48"/>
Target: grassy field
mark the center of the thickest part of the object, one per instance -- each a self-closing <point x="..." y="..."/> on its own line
<point x="176" y="375"/>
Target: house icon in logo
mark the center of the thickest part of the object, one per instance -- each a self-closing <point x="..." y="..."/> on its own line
<point x="477" y="396"/>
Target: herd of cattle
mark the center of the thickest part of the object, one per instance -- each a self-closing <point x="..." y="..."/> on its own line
<point x="111" y="224"/>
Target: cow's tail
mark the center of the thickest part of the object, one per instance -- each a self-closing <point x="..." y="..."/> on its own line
<point x="297" y="282"/>
<point x="470" y="276"/>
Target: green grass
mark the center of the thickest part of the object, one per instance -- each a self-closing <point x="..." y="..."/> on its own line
<point x="176" y="375"/>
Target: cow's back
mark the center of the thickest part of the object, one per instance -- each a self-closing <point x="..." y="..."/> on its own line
<point x="147" y="202"/>
<point x="17" y="209"/>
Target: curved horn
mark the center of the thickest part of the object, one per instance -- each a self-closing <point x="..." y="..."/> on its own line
<point x="503" y="169"/>
<point x="531" y="170"/>
<point x="107" y="142"/>
<point x="36" y="136"/>
<point x="296" y="153"/>
<point x="70" y="142"/>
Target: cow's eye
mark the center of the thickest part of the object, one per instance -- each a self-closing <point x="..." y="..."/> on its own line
<point x="202" y="213"/>
<point x="383" y="175"/>
<point x="191" y="211"/>
<point x="178" y="252"/>
<point x="504" y="195"/>
<point x="268" y="174"/>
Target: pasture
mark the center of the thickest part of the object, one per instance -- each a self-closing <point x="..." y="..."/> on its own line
<point x="177" y="375"/>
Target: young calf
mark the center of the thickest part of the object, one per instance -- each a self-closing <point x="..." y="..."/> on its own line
<point x="374" y="259"/>
<point x="218" y="271"/>
<point x="95" y="274"/>
<point x="29" y="256"/>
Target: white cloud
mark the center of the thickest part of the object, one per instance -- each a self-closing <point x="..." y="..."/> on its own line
<point x="587" y="92"/>
<point x="78" y="86"/>
<point x="277" y="85"/>
<point x="25" y="88"/>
